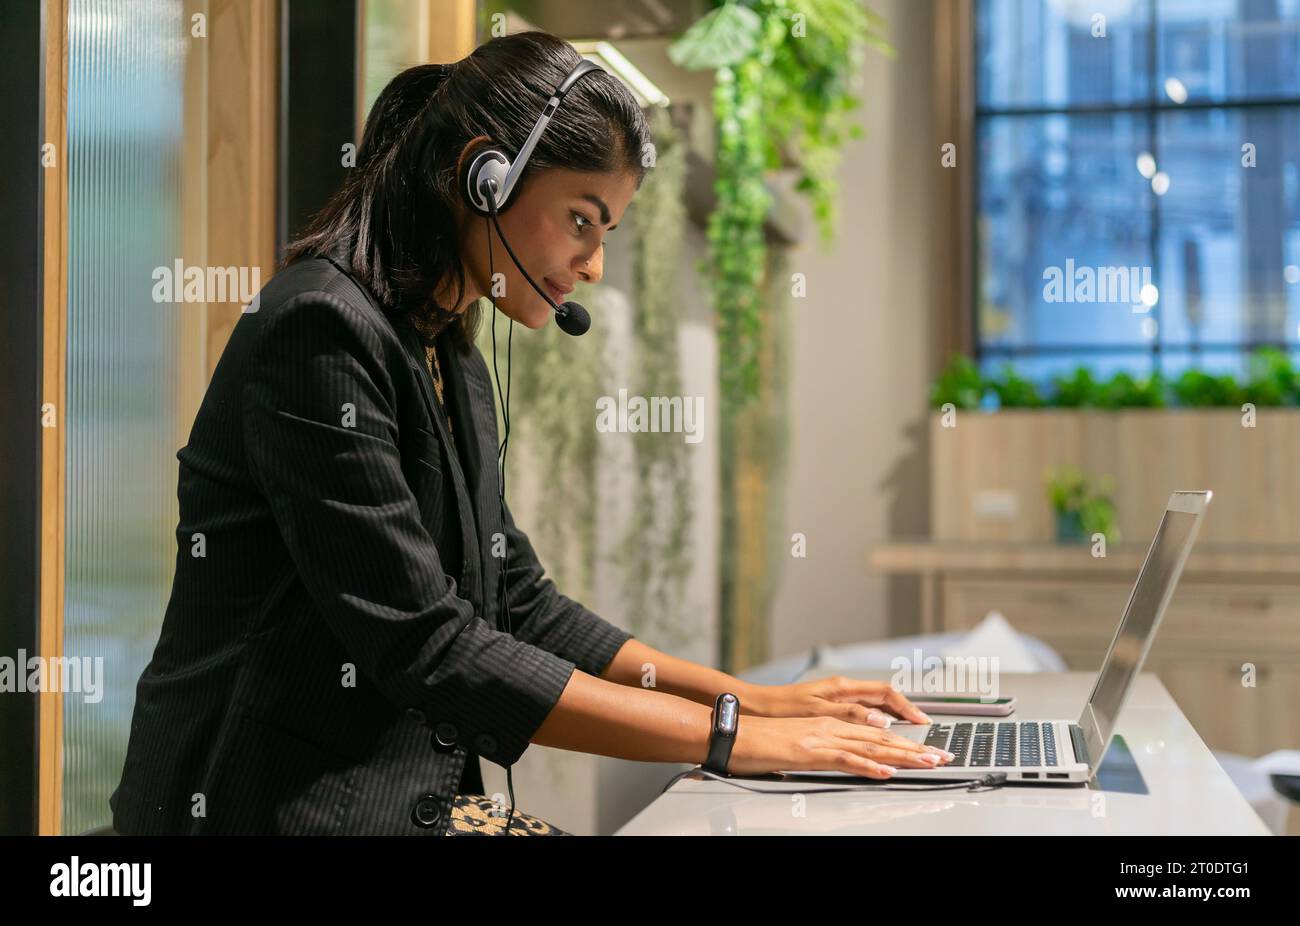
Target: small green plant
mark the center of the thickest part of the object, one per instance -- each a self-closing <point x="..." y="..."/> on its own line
<point x="1066" y="486"/>
<point x="960" y="384"/>
<point x="1015" y="391"/>
<point x="1082" y="508"/>
<point x="1126" y="391"/>
<point x="1272" y="380"/>
<point x="1078" y="390"/>
<point x="1199" y="389"/>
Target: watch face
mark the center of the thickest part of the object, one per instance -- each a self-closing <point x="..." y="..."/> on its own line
<point x="728" y="711"/>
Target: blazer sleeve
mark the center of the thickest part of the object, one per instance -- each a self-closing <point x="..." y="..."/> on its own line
<point x="320" y="437"/>
<point x="540" y="615"/>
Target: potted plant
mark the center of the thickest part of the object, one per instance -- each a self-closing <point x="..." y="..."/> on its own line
<point x="1082" y="510"/>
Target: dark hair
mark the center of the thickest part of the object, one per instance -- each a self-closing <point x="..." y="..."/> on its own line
<point x="393" y="215"/>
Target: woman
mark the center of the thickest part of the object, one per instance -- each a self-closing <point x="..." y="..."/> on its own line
<point x="332" y="659"/>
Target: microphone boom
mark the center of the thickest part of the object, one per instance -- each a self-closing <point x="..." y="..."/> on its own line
<point x="572" y="318"/>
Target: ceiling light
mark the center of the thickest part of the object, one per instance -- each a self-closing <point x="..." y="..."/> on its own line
<point x="614" y="61"/>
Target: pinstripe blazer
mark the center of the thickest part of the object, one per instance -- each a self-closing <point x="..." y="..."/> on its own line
<point x="329" y="660"/>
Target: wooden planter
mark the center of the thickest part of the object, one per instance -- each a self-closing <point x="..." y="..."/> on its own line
<point x="988" y="478"/>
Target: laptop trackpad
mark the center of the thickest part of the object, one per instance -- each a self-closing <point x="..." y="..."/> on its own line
<point x="912" y="731"/>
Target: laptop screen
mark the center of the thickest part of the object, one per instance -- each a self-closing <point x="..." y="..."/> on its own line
<point x="1128" y="649"/>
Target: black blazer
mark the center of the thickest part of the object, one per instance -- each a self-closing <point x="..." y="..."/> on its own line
<point x="329" y="660"/>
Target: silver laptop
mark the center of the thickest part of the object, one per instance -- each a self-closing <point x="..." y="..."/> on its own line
<point x="1062" y="751"/>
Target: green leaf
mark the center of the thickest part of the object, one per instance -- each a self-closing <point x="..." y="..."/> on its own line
<point x="1014" y="391"/>
<point x="722" y="38"/>
<point x="880" y="44"/>
<point x="960" y="383"/>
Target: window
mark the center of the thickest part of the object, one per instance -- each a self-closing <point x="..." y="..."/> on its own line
<point x="1138" y="166"/>
<point x="126" y="166"/>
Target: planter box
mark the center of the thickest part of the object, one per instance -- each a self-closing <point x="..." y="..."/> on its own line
<point x="988" y="480"/>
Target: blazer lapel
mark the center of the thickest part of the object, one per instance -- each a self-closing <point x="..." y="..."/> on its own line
<point x="471" y="569"/>
<point x="472" y="401"/>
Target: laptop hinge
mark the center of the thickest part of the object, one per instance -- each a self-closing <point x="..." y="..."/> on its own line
<point x="1080" y="743"/>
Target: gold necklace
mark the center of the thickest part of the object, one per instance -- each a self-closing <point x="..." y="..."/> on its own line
<point x="432" y="353"/>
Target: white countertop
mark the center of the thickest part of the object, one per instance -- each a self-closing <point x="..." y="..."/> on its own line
<point x="1188" y="791"/>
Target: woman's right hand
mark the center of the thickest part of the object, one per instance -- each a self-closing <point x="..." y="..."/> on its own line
<point x="771" y="744"/>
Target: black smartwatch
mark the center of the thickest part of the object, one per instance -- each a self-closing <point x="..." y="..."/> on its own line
<point x="726" y="713"/>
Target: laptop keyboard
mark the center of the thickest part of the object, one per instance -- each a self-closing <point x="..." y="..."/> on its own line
<point x="995" y="745"/>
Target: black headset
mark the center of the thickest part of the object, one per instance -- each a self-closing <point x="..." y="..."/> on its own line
<point x="493" y="175"/>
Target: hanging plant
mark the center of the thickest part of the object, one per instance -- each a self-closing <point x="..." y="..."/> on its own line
<point x="785" y="78"/>
<point x="784" y="90"/>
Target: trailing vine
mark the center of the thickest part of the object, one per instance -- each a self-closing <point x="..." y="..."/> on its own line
<point x="735" y="229"/>
<point x="785" y="82"/>
<point x="784" y="91"/>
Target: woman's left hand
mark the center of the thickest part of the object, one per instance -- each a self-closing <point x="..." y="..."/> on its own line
<point x="854" y="700"/>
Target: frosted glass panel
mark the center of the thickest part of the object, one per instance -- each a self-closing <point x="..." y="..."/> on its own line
<point x="125" y="96"/>
<point x="394" y="37"/>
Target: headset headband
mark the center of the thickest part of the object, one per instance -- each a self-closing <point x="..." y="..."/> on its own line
<point x="494" y="166"/>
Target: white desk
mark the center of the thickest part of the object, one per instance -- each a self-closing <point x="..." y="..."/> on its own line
<point x="1188" y="791"/>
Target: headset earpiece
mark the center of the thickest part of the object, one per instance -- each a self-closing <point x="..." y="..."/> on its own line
<point x="488" y="164"/>
<point x="493" y="164"/>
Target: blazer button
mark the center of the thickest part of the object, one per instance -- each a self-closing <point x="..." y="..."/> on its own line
<point x="426" y="811"/>
<point x="485" y="745"/>
<point x="444" y="737"/>
<point x="415" y="714"/>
